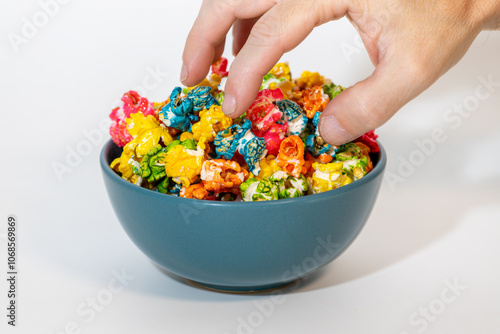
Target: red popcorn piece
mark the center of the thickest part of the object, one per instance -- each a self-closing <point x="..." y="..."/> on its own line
<point x="263" y="113"/>
<point x="370" y="140"/>
<point x="220" y="67"/>
<point x="118" y="129"/>
<point x="274" y="136"/>
<point x="132" y="103"/>
<point x="271" y="95"/>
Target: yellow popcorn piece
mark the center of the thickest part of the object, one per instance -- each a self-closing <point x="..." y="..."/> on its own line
<point x="327" y="177"/>
<point x="310" y="79"/>
<point x="146" y="132"/>
<point x="184" y="165"/>
<point x="268" y="166"/>
<point x="202" y="145"/>
<point x="213" y="82"/>
<point x="281" y="70"/>
<point x="186" y="135"/>
<point x="211" y="121"/>
<point x="126" y="163"/>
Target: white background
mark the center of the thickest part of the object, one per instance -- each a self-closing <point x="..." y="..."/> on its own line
<point x="438" y="223"/>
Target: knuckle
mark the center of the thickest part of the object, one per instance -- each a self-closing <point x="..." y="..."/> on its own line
<point x="221" y="8"/>
<point x="266" y="32"/>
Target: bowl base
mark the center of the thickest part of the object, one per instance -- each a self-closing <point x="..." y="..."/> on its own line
<point x="241" y="289"/>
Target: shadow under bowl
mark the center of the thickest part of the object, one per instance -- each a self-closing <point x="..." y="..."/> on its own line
<point x="242" y="246"/>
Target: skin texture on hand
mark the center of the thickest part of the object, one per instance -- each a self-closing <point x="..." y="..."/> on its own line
<point x="410" y="42"/>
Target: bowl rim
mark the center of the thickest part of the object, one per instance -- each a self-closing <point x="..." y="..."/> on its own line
<point x="373" y="174"/>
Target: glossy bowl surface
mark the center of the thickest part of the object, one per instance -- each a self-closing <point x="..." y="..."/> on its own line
<point x="242" y="246"/>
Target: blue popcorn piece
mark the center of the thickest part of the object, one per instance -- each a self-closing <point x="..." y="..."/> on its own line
<point x="174" y="188"/>
<point x="201" y="98"/>
<point x="239" y="137"/>
<point x="227" y="141"/>
<point x="167" y="186"/>
<point x="178" y="113"/>
<point x="315" y="144"/>
<point x="294" y="116"/>
<point x="253" y="149"/>
<point x="316" y="120"/>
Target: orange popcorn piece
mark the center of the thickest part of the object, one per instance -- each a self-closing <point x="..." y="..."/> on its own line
<point x="222" y="175"/>
<point x="313" y="100"/>
<point x="194" y="191"/>
<point x="291" y="156"/>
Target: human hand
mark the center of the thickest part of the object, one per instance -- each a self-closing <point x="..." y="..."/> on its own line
<point x="411" y="44"/>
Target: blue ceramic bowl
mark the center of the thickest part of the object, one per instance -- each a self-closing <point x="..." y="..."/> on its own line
<point x="242" y="246"/>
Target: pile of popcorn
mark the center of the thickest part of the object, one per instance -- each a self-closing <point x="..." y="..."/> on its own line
<point x="186" y="146"/>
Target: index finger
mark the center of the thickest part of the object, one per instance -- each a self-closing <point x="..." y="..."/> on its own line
<point x="279" y="30"/>
<point x="206" y="38"/>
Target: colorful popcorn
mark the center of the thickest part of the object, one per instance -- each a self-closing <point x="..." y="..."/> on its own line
<point x="185" y="146"/>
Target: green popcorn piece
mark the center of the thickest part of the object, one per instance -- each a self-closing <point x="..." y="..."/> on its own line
<point x="163" y="185"/>
<point x="266" y="191"/>
<point x="299" y="183"/>
<point x="348" y="151"/>
<point x="219" y="96"/>
<point x="278" y="176"/>
<point x="289" y="186"/>
<point x="332" y="90"/>
<point x="173" y="144"/>
<point x="349" y="165"/>
<point x="135" y="165"/>
<point x="239" y="119"/>
<point x="268" y="79"/>
<point x="255" y="190"/>
<point x="347" y="171"/>
<point x="289" y="193"/>
<point x="190" y="144"/>
<point x="247" y="189"/>
<point x="294" y="187"/>
<point x="153" y="164"/>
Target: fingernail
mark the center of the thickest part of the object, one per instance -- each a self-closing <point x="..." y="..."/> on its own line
<point x="229" y="104"/>
<point x="184" y="73"/>
<point x="332" y="132"/>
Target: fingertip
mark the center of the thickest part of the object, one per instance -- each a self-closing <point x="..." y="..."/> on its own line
<point x="332" y="131"/>
<point x="229" y="105"/>
<point x="184" y="74"/>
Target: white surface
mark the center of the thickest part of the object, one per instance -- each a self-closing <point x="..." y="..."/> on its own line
<point x="441" y="224"/>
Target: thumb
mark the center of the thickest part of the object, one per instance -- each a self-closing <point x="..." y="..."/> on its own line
<point x="371" y="102"/>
